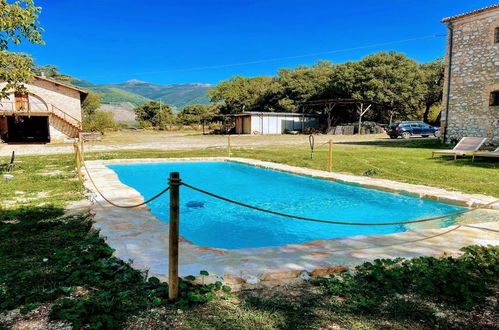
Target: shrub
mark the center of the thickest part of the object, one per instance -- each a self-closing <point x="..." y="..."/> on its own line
<point x="461" y="282"/>
<point x="99" y="121"/>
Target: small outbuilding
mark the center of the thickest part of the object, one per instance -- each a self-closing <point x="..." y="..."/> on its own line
<point x="274" y="122"/>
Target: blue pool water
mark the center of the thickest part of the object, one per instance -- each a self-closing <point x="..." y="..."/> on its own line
<point x="210" y="222"/>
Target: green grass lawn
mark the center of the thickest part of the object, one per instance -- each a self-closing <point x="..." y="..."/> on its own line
<point x="49" y="258"/>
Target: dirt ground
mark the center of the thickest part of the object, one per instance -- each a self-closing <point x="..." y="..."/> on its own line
<point x="163" y="140"/>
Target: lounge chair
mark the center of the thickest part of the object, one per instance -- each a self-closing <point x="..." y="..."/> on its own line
<point x="491" y="154"/>
<point x="467" y="146"/>
<point x="10" y="165"/>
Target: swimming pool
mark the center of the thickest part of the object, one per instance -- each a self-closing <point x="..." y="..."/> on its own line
<point x="206" y="221"/>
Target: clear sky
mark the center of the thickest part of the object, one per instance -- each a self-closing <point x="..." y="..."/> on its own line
<point x="173" y="41"/>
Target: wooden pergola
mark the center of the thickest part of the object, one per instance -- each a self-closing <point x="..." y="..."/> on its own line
<point x="362" y="106"/>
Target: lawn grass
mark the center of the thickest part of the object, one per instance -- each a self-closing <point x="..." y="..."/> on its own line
<point x="41" y="249"/>
<point x="405" y="161"/>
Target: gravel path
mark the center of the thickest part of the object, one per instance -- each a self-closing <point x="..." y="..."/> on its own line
<point x="176" y="141"/>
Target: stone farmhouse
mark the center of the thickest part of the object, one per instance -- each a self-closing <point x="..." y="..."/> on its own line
<point x="49" y="112"/>
<point x="471" y="90"/>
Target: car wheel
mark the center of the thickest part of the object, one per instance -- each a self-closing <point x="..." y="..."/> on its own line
<point x="437" y="133"/>
<point x="393" y="136"/>
<point x="424" y="136"/>
<point x="406" y="135"/>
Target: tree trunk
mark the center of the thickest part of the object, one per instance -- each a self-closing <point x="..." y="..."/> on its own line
<point x="426" y="112"/>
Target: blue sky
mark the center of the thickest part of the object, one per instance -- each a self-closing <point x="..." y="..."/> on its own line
<point x="168" y="41"/>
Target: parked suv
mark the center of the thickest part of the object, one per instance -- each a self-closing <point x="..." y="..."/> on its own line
<point x="406" y="129"/>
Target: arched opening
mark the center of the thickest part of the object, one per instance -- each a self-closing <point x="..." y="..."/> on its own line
<point x="36" y="103"/>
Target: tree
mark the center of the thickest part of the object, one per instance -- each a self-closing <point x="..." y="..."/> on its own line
<point x="18" y="21"/>
<point x="52" y="72"/>
<point x="433" y="79"/>
<point x="163" y="118"/>
<point x="99" y="121"/>
<point x="196" y="113"/>
<point x="154" y="114"/>
<point x="91" y="103"/>
<point x="389" y="78"/>
<point x="239" y="94"/>
<point x="302" y="84"/>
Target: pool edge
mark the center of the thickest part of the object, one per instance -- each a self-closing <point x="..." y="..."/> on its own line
<point x="149" y="251"/>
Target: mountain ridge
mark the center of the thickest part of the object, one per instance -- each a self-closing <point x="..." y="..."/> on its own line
<point x="139" y="92"/>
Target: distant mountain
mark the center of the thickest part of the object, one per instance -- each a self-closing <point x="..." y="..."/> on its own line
<point x="112" y="94"/>
<point x="121" y="99"/>
<point x="139" y="92"/>
<point x="178" y="95"/>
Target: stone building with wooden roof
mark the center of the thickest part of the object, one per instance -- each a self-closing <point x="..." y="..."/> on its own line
<point x="49" y="112"/>
<point x="471" y="89"/>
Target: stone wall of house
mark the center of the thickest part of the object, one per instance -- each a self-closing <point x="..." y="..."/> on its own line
<point x="45" y="94"/>
<point x="474" y="75"/>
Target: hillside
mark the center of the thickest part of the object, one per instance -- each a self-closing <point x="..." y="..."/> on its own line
<point x="139" y="92"/>
<point x="121" y="98"/>
<point x="178" y="95"/>
<point x="122" y="111"/>
<point x="112" y="94"/>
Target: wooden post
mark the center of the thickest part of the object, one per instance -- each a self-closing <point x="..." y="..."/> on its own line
<point x="174" y="183"/>
<point x="78" y="161"/>
<point x="228" y="146"/>
<point x="82" y="151"/>
<point x="330" y="162"/>
<point x="361" y="111"/>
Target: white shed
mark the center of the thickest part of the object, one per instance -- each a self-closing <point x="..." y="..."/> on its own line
<point x="273" y="122"/>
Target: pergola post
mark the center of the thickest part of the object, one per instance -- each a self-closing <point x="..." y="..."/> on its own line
<point x="361" y="111"/>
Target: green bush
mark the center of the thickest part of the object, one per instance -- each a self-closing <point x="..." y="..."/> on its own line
<point x="462" y="282"/>
<point x="99" y="121"/>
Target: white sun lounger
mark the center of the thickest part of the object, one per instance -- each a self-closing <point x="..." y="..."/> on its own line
<point x="491" y="154"/>
<point x="467" y="146"/>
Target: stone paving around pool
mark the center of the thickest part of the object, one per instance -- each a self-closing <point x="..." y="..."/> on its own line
<point x="138" y="236"/>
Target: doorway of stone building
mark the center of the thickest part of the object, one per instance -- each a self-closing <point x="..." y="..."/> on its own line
<point x="28" y="129"/>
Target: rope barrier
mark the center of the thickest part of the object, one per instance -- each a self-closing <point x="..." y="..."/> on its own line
<point x="384" y="170"/>
<point x="334" y="221"/>
<point x="117" y="205"/>
<point x="481" y="228"/>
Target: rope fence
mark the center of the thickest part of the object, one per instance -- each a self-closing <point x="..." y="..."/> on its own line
<point x="82" y="162"/>
<point x="175" y="182"/>
<point x="335" y="222"/>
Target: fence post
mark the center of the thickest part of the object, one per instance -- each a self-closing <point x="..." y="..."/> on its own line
<point x="174" y="183"/>
<point x="82" y="151"/>
<point x="228" y="146"/>
<point x="330" y="160"/>
<point x="78" y="162"/>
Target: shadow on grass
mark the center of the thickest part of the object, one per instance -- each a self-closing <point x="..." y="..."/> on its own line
<point x="298" y="312"/>
<point x="45" y="256"/>
<point x="423" y="143"/>
<point x="466" y="162"/>
<point x="31" y="214"/>
<point x="312" y="309"/>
